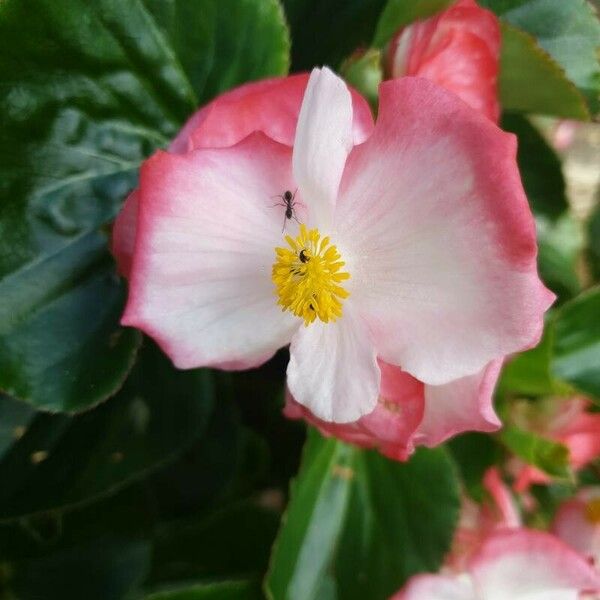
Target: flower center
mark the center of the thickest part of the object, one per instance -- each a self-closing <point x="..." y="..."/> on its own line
<point x="307" y="277"/>
<point x="592" y="511"/>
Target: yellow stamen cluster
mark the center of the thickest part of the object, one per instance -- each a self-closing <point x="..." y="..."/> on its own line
<point x="592" y="511"/>
<point x="307" y="277"/>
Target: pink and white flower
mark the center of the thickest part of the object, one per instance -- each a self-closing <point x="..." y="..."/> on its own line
<point x="577" y="522"/>
<point x="459" y="49"/>
<point x="512" y="564"/>
<point x="478" y="521"/>
<point x="417" y="247"/>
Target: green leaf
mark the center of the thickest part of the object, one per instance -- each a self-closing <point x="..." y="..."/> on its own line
<point x="401" y="520"/>
<point x="201" y="546"/>
<point x="545" y="454"/>
<point x="223" y="43"/>
<point x="56" y="461"/>
<point x="528" y="373"/>
<point x="576" y="356"/>
<point x="231" y="458"/>
<point x="399" y="13"/>
<point x="531" y="81"/>
<point x="474" y="453"/>
<point x="327" y="32"/>
<point x="314" y="519"/>
<point x="560" y="248"/>
<point x="568" y="30"/>
<point x="361" y="524"/>
<point x="98" y="553"/>
<point x="593" y="236"/>
<point x="364" y="73"/>
<point x="61" y="348"/>
<point x="90" y="89"/>
<point x="226" y="590"/>
<point x="540" y="167"/>
<point x="73" y="132"/>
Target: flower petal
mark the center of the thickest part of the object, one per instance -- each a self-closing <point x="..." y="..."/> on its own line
<point x="271" y="106"/>
<point x="575" y="526"/>
<point x="201" y="284"/>
<point x="531" y="565"/>
<point x="124" y="230"/>
<point x="504" y="506"/>
<point x="398" y="413"/>
<point x="389" y="427"/>
<point x="323" y="141"/>
<point x="333" y="369"/>
<point x="443" y="246"/>
<point x="458" y="49"/>
<point x="465" y="404"/>
<point x="581" y="434"/>
<point x="437" y="587"/>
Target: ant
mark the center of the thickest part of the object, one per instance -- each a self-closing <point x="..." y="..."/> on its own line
<point x="288" y="203"/>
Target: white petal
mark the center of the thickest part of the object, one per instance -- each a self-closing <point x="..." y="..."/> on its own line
<point x="523" y="564"/>
<point x="323" y="140"/>
<point x="438" y="237"/>
<point x="201" y="276"/>
<point x="438" y="587"/>
<point x="333" y="369"/>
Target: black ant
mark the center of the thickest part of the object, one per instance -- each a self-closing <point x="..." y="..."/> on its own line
<point x="288" y="203"/>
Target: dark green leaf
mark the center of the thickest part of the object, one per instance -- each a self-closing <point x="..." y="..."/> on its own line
<point x="593" y="236"/>
<point x="327" y="32"/>
<point x="225" y="464"/>
<point x="223" y="43"/>
<point x="361" y="524"/>
<point x="576" y="355"/>
<point x="226" y="590"/>
<point x="560" y="248"/>
<point x="98" y="553"/>
<point x="540" y="168"/>
<point x="474" y="453"/>
<point x="73" y="131"/>
<point x="545" y="454"/>
<point x="57" y="461"/>
<point x="89" y="89"/>
<point x="399" y="13"/>
<point x="232" y="542"/>
<point x="260" y="393"/>
<point x="60" y="344"/>
<point x="531" y="81"/>
<point x="567" y="29"/>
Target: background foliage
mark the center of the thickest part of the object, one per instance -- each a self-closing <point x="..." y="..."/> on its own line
<point x="122" y="477"/>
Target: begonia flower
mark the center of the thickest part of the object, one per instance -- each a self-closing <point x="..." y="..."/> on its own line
<point x="577" y="522"/>
<point x="512" y="564"/>
<point x="459" y="49"/>
<point x="563" y="420"/>
<point x="416" y="246"/>
<point x="478" y="521"/>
